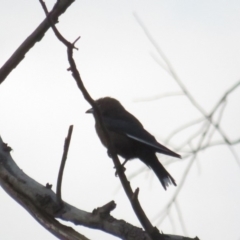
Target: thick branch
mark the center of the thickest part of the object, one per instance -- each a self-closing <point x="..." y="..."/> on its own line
<point x="59" y="8"/>
<point x="41" y="202"/>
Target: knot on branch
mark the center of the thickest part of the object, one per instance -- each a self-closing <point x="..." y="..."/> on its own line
<point x="105" y="209"/>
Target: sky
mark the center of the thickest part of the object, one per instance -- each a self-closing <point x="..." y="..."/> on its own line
<point x="39" y="100"/>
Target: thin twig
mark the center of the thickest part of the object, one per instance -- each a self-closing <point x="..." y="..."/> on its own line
<point x="224" y="104"/>
<point x="185" y="174"/>
<point x="224" y="97"/>
<point x="167" y="66"/>
<point x="63" y="161"/>
<point x="172" y="222"/>
<point x="217" y="143"/>
<point x="172" y="72"/>
<point x="159" y="96"/>
<point x="183" y="127"/>
<point x="197" y="159"/>
<point x="193" y="136"/>
<point x="180" y="216"/>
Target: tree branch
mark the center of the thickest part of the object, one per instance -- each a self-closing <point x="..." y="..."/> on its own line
<point x="64" y="158"/>
<point x="59" y="8"/>
<point x="152" y="231"/>
<point x="172" y="72"/>
<point x="41" y="202"/>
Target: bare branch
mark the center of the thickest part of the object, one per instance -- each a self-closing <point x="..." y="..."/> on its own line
<point x="224" y="97"/>
<point x="64" y="158"/>
<point x="211" y="133"/>
<point x="179" y="213"/>
<point x="152" y="231"/>
<point x="172" y="72"/>
<point x="41" y="202"/>
<point x="59" y="8"/>
<point x="206" y="125"/>
<point x="167" y="66"/>
<point x="185" y="174"/>
<point x="159" y="96"/>
<point x="185" y="126"/>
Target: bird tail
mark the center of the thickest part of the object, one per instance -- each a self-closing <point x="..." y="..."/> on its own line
<point x="164" y="177"/>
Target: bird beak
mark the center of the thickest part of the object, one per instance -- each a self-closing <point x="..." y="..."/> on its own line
<point x="90" y="110"/>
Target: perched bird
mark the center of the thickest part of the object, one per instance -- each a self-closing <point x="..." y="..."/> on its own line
<point x="130" y="139"/>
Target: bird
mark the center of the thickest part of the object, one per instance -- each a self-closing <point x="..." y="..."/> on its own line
<point x="130" y="139"/>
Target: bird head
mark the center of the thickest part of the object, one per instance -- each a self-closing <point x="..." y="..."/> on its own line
<point x="105" y="105"/>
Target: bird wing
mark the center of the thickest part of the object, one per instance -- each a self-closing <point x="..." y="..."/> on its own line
<point x="133" y="129"/>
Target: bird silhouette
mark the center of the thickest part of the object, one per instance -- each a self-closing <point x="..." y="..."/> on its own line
<point x="130" y="139"/>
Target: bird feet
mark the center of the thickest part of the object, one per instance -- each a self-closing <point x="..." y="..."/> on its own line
<point x="122" y="168"/>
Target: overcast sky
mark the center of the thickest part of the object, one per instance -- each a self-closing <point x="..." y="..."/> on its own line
<point x="39" y="100"/>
